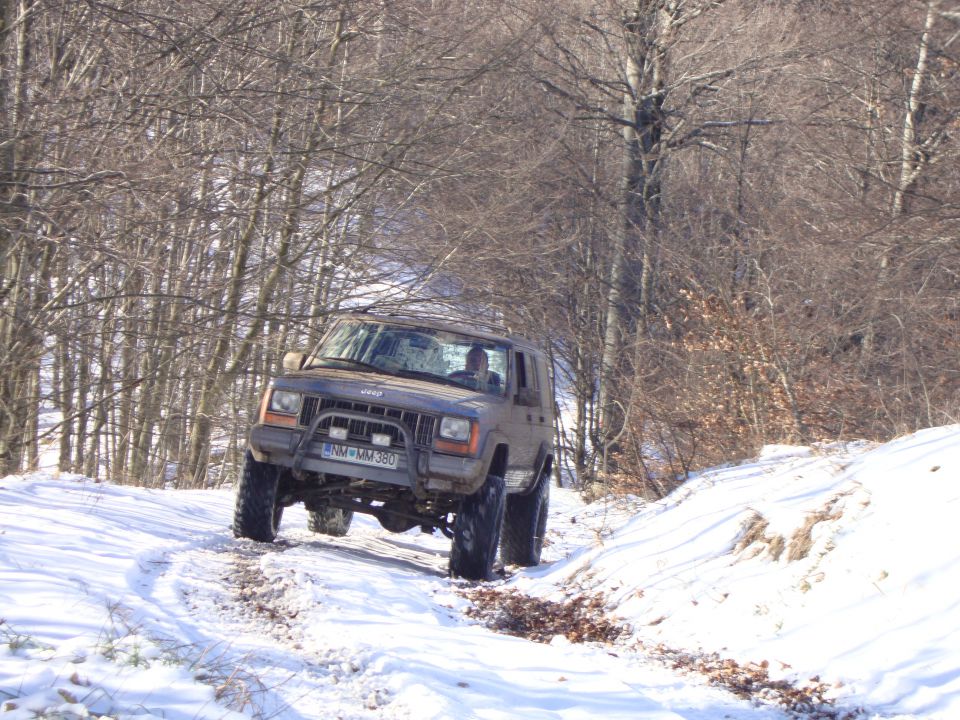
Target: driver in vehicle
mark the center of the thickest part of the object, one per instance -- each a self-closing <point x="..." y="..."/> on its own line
<point x="477" y="362"/>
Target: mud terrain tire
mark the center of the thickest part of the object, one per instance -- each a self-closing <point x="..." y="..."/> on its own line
<point x="329" y="521"/>
<point x="476" y="531"/>
<point x="256" y="514"/>
<point x="525" y="524"/>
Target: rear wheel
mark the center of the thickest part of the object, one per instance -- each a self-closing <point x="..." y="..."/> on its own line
<point x="256" y="514"/>
<point x="330" y="521"/>
<point x="525" y="524"/>
<point x="476" y="531"/>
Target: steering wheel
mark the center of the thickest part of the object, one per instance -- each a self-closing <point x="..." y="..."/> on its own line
<point x="463" y="375"/>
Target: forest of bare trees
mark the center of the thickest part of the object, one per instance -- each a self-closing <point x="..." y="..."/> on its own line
<point x="733" y="222"/>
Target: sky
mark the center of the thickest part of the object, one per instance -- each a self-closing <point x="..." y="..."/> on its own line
<point x="834" y="566"/>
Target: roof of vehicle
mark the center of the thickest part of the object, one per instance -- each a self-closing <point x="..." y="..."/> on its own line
<point x="479" y="329"/>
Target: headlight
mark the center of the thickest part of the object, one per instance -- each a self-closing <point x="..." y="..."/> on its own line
<point x="453" y="428"/>
<point x="283" y="401"/>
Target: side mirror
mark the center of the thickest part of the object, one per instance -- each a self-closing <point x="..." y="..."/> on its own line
<point x="294" y="360"/>
<point x="528" y="397"/>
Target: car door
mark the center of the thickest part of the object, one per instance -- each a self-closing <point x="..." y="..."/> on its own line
<point x="528" y="415"/>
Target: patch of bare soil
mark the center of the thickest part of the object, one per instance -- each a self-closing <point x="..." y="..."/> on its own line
<point x="584" y="618"/>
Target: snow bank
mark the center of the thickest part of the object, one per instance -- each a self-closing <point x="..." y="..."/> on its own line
<point x="832" y="561"/>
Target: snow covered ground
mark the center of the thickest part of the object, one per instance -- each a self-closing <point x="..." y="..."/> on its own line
<point x="838" y="563"/>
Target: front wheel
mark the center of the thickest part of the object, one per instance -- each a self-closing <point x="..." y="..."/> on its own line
<point x="256" y="514"/>
<point x="476" y="531"/>
<point x="525" y="524"/>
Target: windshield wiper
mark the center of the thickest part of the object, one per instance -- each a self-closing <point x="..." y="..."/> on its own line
<point x="358" y="363"/>
<point x="402" y="372"/>
<point x="430" y="376"/>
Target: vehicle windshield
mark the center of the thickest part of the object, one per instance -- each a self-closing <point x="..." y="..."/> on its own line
<point x="420" y="352"/>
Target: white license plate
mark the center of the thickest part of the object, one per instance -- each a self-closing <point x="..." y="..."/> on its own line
<point x="360" y="456"/>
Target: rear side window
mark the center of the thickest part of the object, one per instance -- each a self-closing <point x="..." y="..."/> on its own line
<point x="528" y="386"/>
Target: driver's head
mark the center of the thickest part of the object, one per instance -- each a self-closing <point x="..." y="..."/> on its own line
<point x="477" y="360"/>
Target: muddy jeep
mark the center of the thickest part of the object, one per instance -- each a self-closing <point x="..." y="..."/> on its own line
<point x="415" y="422"/>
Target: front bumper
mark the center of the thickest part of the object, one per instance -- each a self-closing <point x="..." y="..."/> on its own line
<point x="421" y="469"/>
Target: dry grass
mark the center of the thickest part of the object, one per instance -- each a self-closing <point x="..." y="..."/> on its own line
<point x="754" y="538"/>
<point x="802" y="540"/>
<point x="753" y="530"/>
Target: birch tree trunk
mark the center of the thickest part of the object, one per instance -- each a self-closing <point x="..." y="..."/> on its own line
<point x="913" y="157"/>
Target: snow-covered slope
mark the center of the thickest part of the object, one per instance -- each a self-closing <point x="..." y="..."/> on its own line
<point x="840" y="562"/>
<point x="835" y="561"/>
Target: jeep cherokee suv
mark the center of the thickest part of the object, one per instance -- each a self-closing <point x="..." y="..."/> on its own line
<point x="415" y="422"/>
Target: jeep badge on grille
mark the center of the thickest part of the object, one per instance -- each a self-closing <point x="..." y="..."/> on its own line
<point x="374" y="393"/>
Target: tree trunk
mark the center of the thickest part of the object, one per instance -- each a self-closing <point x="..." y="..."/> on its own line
<point x="912" y="161"/>
<point x="646" y="30"/>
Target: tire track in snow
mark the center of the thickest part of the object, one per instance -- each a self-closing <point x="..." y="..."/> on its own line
<point x="238" y="608"/>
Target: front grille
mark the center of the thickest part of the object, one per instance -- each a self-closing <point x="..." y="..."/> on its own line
<point x="421" y="425"/>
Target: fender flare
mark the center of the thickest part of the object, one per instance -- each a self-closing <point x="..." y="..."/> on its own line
<point x="542" y="464"/>
<point x="495" y="440"/>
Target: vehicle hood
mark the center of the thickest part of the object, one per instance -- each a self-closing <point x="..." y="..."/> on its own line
<point x="389" y="390"/>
